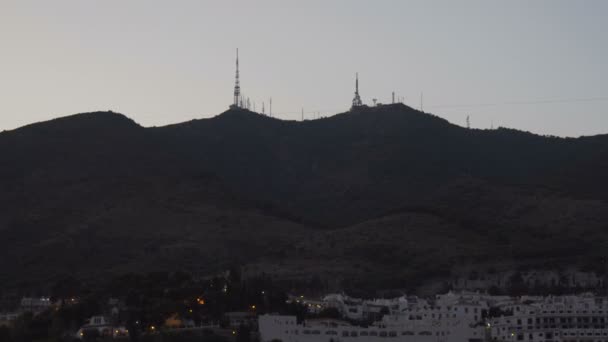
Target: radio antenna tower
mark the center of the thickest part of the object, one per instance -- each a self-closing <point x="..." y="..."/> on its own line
<point x="263" y="110"/>
<point x="357" y="99"/>
<point x="270" y="109"/>
<point x="238" y="101"/>
<point x="468" y="122"/>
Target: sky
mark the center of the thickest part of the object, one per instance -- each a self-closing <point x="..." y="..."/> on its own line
<point x="539" y="66"/>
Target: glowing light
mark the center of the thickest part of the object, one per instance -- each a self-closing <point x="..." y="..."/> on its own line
<point x="152" y="327"/>
<point x="233" y="332"/>
<point x="253" y="307"/>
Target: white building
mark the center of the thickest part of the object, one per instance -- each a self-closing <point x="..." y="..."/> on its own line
<point x="581" y="318"/>
<point x="392" y="328"/>
<point x="102" y="326"/>
<point x="34" y="305"/>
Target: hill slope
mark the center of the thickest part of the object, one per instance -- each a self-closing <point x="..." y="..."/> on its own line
<point x="97" y="192"/>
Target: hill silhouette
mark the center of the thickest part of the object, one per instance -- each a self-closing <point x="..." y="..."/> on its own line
<point x="96" y="192"/>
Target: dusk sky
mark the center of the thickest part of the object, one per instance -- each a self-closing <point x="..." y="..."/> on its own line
<point x="539" y="66"/>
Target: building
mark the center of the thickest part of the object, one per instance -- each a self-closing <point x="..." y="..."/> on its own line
<point x="34" y="305"/>
<point x="6" y="318"/>
<point x="582" y="318"/>
<point x="238" y="318"/>
<point x="102" y="326"/>
<point x="390" y="328"/>
<point x="450" y="317"/>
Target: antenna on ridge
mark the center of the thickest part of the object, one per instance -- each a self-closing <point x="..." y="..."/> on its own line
<point x="302" y="113"/>
<point x="238" y="100"/>
<point x="270" y="111"/>
<point x="263" y="110"/>
<point x="357" y="99"/>
<point x="468" y="122"/>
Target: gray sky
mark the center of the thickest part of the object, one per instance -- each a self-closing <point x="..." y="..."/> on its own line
<point x="540" y="66"/>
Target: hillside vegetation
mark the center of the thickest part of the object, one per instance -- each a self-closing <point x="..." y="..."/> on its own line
<point x="388" y="195"/>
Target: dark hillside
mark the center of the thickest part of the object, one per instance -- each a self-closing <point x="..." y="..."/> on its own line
<point x="98" y="189"/>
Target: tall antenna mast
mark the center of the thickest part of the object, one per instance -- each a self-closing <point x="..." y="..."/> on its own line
<point x="393" y="97"/>
<point x="270" y="111"/>
<point x="263" y="110"/>
<point x="238" y="102"/>
<point x="357" y="99"/>
<point x="302" y="113"/>
<point x="468" y="122"/>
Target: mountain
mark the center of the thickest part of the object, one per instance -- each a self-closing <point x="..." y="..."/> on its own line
<point x="387" y="192"/>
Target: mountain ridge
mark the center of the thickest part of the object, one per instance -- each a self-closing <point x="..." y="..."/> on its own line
<point x="200" y="183"/>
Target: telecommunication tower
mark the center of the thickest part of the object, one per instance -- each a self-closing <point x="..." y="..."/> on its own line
<point x="238" y="101"/>
<point x="357" y="99"/>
